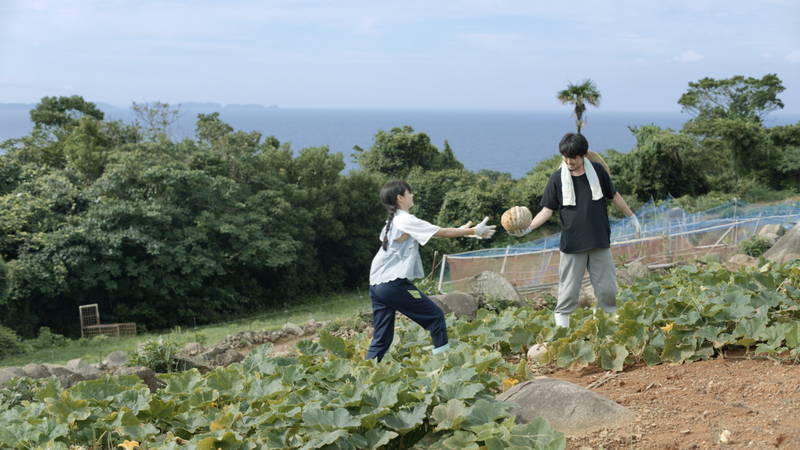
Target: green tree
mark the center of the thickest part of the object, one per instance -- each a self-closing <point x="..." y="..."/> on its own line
<point x="579" y="95"/>
<point x="738" y="97"/>
<point x="58" y="115"/>
<point x="3" y="281"/>
<point x="396" y="152"/>
<point x="155" y="120"/>
<point x="662" y="165"/>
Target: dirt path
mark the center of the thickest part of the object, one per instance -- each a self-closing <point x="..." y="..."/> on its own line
<point x="722" y="403"/>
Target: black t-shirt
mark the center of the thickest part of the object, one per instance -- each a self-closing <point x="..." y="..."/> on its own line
<point x="584" y="226"/>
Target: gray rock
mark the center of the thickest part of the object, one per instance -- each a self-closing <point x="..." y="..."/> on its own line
<point x="787" y="248"/>
<point x="230" y="356"/>
<point x="145" y="374"/>
<point x="191" y="349"/>
<point x="740" y="259"/>
<point x="569" y="408"/>
<point x="291" y="328"/>
<point x="771" y="237"/>
<point x="82" y="368"/>
<point x="489" y="286"/>
<point x="7" y="373"/>
<point x="35" y="371"/>
<point x="772" y="229"/>
<point x="64" y="375"/>
<point x="185" y="362"/>
<point x="459" y="303"/>
<point x="211" y="353"/>
<point x="115" y="359"/>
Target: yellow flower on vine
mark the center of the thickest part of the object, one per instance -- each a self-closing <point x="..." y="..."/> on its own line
<point x="668" y="327"/>
<point x="508" y="383"/>
<point x="129" y="445"/>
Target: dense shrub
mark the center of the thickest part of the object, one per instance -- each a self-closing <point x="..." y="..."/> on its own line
<point x="9" y="342"/>
<point x="157" y="354"/>
<point x="755" y="246"/>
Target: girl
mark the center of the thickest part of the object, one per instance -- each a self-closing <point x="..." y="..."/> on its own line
<point x="397" y="263"/>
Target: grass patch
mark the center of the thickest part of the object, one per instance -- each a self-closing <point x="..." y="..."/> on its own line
<point x="319" y="308"/>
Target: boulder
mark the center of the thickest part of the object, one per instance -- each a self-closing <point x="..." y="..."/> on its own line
<point x="787" y="248"/>
<point x="7" y="373"/>
<point x="228" y="357"/>
<point x="740" y="259"/>
<point x="145" y="374"/>
<point x="568" y="408"/>
<point x="65" y="376"/>
<point x="82" y="368"/>
<point x="115" y="359"/>
<point x="35" y="371"/>
<point x="772" y="229"/>
<point x="185" y="362"/>
<point x="292" y="329"/>
<point x="771" y="237"/>
<point x="489" y="286"/>
<point x="459" y="303"/>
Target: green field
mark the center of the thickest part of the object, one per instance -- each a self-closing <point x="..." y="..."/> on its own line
<point x="319" y="308"/>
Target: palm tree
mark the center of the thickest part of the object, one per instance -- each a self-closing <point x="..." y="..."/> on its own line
<point x="579" y="95"/>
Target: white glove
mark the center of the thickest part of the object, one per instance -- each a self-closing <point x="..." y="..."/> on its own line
<point x="466" y="226"/>
<point x="484" y="231"/>
<point x="521" y="233"/>
<point x="636" y="224"/>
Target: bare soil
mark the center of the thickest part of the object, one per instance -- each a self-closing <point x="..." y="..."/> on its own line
<point x="732" y="402"/>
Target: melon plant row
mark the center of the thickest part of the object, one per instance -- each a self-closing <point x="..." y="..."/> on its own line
<point x="327" y="396"/>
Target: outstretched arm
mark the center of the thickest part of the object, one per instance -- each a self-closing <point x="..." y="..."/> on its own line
<point x="480" y="231"/>
<point x="543" y="216"/>
<point x="454" y="232"/>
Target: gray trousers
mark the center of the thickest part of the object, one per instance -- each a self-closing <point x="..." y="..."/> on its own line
<point x="571" y="270"/>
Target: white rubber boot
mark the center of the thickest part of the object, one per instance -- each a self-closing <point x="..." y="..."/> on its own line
<point x="562" y="320"/>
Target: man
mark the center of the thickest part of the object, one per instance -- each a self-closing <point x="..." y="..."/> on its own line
<point x="580" y="191"/>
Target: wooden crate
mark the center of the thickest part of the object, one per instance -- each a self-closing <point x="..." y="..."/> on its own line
<point x="91" y="326"/>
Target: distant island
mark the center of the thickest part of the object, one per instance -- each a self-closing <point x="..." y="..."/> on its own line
<point x="189" y="106"/>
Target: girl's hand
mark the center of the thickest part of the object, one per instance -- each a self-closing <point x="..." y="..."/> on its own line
<point x="484" y="231"/>
<point x="467" y="226"/>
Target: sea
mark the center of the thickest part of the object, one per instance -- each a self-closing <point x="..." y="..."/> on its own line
<point x="506" y="141"/>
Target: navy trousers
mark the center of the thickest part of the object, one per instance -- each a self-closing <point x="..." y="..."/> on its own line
<point x="401" y="295"/>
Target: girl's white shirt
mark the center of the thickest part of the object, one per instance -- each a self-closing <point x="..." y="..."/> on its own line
<point x="401" y="258"/>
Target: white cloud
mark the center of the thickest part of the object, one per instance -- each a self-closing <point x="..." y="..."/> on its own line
<point x="793" y="57"/>
<point x="689" y="56"/>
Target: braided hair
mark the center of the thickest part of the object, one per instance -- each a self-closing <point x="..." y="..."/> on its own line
<point x="389" y="194"/>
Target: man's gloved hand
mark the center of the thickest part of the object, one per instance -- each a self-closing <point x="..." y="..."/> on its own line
<point x="636" y="225"/>
<point x="484" y="231"/>
<point x="521" y="233"/>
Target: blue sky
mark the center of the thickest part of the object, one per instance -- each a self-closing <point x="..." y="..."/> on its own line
<point x="434" y="54"/>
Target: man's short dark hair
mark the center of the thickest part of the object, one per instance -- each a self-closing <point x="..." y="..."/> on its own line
<point x="573" y="144"/>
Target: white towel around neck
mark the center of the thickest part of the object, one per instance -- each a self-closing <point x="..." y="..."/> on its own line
<point x="568" y="190"/>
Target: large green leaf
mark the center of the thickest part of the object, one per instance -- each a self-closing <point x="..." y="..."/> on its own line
<point x="450" y="416"/>
<point x="334" y="344"/>
<point x="406" y="419"/>
<point x="576" y="355"/>
<point x="612" y="357"/>
<point x="329" y="420"/>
